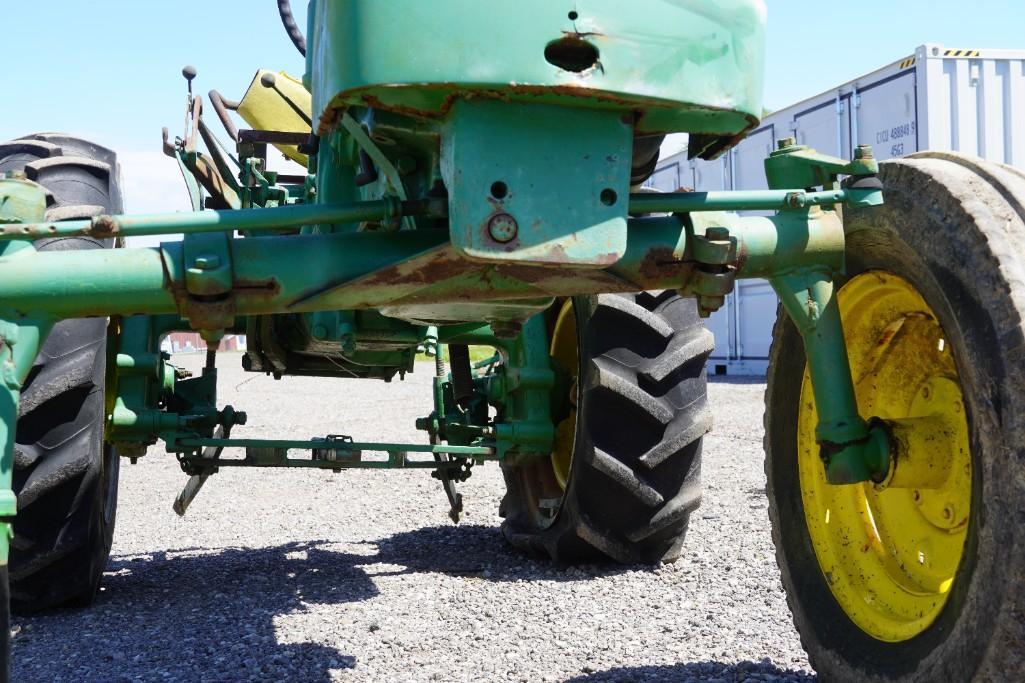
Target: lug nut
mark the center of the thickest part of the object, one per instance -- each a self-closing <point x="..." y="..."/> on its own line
<point x="863" y="152"/>
<point x="502" y="227"/>
<point x="787" y="142"/>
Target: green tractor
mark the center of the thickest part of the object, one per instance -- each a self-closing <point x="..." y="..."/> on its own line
<point x="458" y="186"/>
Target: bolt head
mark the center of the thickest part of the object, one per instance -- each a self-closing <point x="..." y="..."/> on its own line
<point x="707" y="305"/>
<point x="207" y="262"/>
<point x="268" y="80"/>
<point x="863" y="152"/>
<point x="502" y="227"/>
<point x="787" y="142"/>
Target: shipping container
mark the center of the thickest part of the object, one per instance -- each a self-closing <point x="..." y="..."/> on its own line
<point x="938" y="98"/>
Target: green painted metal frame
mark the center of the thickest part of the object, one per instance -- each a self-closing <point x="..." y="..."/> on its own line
<point x="211" y="279"/>
<point x="508" y="235"/>
<point x="699" y="252"/>
<point x="290" y="274"/>
<point x="679" y="66"/>
<point x="852" y="449"/>
<point x="21" y="336"/>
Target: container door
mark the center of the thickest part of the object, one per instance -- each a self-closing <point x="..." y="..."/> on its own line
<point x="709" y="176"/>
<point x="720" y="325"/>
<point x="756" y="314"/>
<point x="713" y="176"/>
<point x="748" y="160"/>
<point x="826" y="127"/>
<point x="665" y="179"/>
<point x="887" y="117"/>
<point x="975" y="105"/>
<point x="753" y="301"/>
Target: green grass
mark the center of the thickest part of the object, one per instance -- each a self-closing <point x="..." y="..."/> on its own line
<point x="477" y="354"/>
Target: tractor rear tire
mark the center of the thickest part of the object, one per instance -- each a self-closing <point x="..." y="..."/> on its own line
<point x="65" y="476"/>
<point x="633" y="477"/>
<point x="953" y="231"/>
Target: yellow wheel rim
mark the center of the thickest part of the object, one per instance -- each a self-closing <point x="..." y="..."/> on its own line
<point x="888" y="554"/>
<point x="563" y="351"/>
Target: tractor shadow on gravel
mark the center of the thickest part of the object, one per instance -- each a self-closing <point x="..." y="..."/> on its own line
<point x="698" y="672"/>
<point x="194" y="614"/>
<point x="210" y="614"/>
<point x="478" y="551"/>
<point x="202" y="613"/>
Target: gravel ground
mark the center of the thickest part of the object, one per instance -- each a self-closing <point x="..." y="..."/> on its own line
<point x="360" y="576"/>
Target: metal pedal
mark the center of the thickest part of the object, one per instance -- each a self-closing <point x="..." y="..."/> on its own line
<point x="196" y="481"/>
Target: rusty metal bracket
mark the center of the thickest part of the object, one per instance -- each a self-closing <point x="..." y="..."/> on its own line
<point x="715" y="271"/>
<point x="208" y="301"/>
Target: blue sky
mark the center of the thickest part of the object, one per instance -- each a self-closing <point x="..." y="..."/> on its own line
<point x="110" y="69"/>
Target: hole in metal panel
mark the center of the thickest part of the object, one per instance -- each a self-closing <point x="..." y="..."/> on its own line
<point x="499" y="190"/>
<point x="572" y="54"/>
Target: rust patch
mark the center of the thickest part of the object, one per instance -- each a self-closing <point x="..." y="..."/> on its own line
<point x="717" y="143"/>
<point x="710" y="147"/>
<point x="212" y="314"/>
<point x="429" y="271"/>
<point x="660" y="263"/>
<point x="554" y="255"/>
<point x="562" y="282"/>
<point x="268" y="288"/>
<point x="104" y="226"/>
<point x="328" y="120"/>
<point x="419" y="272"/>
<point x="459" y="91"/>
<point x="742" y="256"/>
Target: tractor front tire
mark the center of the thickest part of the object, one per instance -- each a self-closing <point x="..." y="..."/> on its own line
<point x="65" y="476"/>
<point x="631" y="449"/>
<point x="919" y="582"/>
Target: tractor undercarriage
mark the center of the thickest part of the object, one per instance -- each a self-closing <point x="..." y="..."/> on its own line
<point x="489" y="195"/>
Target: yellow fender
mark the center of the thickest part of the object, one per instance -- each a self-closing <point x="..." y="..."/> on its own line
<point x="275" y="108"/>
